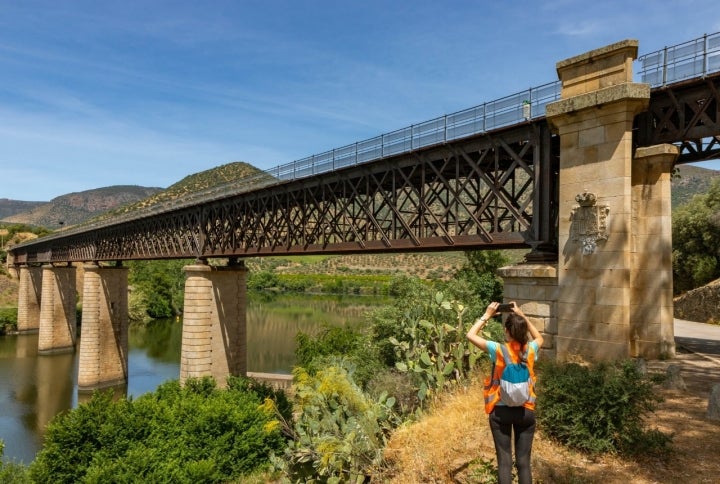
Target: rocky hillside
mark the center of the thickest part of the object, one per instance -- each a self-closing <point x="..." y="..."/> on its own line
<point x="689" y="181"/>
<point x="214" y="182"/>
<point x="9" y="207"/>
<point x="74" y="208"/>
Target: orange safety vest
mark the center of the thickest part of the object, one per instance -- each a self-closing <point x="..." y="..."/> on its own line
<point x="491" y="391"/>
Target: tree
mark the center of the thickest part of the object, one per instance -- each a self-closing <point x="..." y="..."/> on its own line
<point x="161" y="283"/>
<point x="696" y="240"/>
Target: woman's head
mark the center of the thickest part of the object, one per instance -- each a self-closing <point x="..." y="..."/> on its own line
<point x="517" y="328"/>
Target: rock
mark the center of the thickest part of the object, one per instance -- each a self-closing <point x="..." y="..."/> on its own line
<point x="674" y="379"/>
<point x="641" y="366"/>
<point x="713" y="412"/>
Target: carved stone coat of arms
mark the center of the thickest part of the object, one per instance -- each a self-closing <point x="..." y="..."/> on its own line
<point x="588" y="223"/>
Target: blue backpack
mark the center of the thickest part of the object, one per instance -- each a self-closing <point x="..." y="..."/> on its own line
<point x="515" y="381"/>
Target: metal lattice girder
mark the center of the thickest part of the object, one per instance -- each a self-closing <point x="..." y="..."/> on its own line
<point x="686" y="114"/>
<point x="481" y="191"/>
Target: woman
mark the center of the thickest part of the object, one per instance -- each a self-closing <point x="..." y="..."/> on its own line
<point x="504" y="420"/>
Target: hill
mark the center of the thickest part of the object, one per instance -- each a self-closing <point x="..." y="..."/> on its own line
<point x="75" y="208"/>
<point x="689" y="181"/>
<point x="8" y="207"/>
<point x="216" y="181"/>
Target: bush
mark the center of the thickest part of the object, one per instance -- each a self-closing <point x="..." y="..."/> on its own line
<point x="356" y="350"/>
<point x="12" y="472"/>
<point x="598" y="408"/>
<point x="340" y="432"/>
<point x="196" y="433"/>
<point x="430" y="344"/>
<point x="8" y="320"/>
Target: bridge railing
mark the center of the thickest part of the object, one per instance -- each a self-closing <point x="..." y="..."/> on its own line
<point x="695" y="58"/>
<point x="506" y="111"/>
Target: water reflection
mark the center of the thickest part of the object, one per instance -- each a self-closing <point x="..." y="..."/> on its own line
<point x="35" y="389"/>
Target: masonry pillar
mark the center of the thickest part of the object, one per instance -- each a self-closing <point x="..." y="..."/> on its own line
<point x="104" y="343"/>
<point x="214" y="323"/>
<point x="534" y="289"/>
<point x="58" y="321"/>
<point x="29" y="292"/>
<point x="594" y="119"/>
<point x="652" y="334"/>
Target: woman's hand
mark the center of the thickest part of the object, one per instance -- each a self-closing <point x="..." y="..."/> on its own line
<point x="491" y="310"/>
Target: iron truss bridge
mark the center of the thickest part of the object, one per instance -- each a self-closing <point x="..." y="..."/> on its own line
<point x="480" y="178"/>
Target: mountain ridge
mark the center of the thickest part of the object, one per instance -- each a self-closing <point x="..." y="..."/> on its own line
<point x="101" y="203"/>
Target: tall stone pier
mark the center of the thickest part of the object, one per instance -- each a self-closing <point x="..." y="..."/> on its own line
<point x="608" y="213"/>
<point x="58" y="321"/>
<point x="214" y="338"/>
<point x="610" y="294"/>
<point x="104" y="343"/>
<point x="652" y="332"/>
<point x="29" y="293"/>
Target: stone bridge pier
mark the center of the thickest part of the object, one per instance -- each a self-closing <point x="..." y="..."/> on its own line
<point x="29" y="293"/>
<point x="58" y="320"/>
<point x="610" y="294"/>
<point x="103" y="359"/>
<point x="214" y="336"/>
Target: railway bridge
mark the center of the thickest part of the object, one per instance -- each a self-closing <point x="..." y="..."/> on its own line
<point x="577" y="171"/>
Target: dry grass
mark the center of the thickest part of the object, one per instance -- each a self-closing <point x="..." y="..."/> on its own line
<point x="453" y="443"/>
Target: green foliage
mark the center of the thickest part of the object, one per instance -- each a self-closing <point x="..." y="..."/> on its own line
<point x="480" y="273"/>
<point x="353" y="347"/>
<point x="160" y="287"/>
<point x="12" y="472"/>
<point x="262" y="280"/>
<point x="14" y="229"/>
<point x="431" y="345"/>
<point x="400" y="385"/>
<point x="696" y="240"/>
<point x="320" y="283"/>
<point x="410" y="294"/>
<point x="599" y="408"/>
<point x="8" y="320"/>
<point x="195" y="433"/>
<point x="339" y="433"/>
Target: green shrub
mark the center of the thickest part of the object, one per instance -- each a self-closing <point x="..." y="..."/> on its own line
<point x="431" y="345"/>
<point x="261" y="280"/>
<point x="355" y="348"/>
<point x="195" y="433"/>
<point x="599" y="408"/>
<point x="400" y="386"/>
<point x="12" y="472"/>
<point x="339" y="434"/>
<point x="8" y="320"/>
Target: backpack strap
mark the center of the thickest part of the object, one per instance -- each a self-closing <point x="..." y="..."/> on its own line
<point x="506" y="354"/>
<point x="508" y="359"/>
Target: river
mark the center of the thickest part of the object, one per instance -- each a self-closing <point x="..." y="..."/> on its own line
<point x="35" y="389"/>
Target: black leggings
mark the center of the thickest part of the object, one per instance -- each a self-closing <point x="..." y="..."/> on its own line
<point x="503" y="420"/>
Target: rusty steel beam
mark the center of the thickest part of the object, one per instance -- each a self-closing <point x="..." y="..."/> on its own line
<point x="493" y="190"/>
<point x="686" y="114"/>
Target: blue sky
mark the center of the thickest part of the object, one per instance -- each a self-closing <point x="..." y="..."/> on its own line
<point x="100" y="93"/>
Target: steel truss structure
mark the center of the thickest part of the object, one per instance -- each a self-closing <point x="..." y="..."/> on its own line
<point x="487" y="191"/>
<point x="687" y="114"/>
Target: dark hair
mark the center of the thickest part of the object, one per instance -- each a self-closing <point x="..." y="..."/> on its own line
<point x="517" y="327"/>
